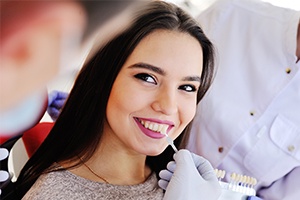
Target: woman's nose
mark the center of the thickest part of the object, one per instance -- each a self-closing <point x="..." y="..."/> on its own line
<point x="165" y="102"/>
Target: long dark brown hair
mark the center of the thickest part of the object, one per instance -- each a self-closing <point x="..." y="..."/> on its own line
<point x="78" y="130"/>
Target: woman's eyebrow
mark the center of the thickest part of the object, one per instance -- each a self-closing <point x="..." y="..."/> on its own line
<point x="161" y="71"/>
<point x="149" y="67"/>
<point x="192" y="78"/>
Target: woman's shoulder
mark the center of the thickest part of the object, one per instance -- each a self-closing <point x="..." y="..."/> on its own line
<point x="56" y="185"/>
<point x="65" y="185"/>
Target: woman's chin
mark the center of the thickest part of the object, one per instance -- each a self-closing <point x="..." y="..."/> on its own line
<point x="155" y="152"/>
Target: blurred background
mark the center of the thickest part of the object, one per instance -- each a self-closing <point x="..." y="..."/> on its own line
<point x="64" y="81"/>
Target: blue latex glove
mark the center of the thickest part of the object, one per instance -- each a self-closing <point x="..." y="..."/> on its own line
<point x="189" y="177"/>
<point x="56" y="100"/>
<point x="3" y="174"/>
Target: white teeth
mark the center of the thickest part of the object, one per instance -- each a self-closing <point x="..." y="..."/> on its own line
<point x="155" y="127"/>
<point x="161" y="128"/>
<point x="146" y="124"/>
<point x="151" y="126"/>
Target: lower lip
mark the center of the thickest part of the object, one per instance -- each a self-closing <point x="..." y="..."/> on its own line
<point x="148" y="132"/>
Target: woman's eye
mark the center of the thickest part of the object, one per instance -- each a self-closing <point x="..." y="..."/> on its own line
<point x="188" y="88"/>
<point x="145" y="77"/>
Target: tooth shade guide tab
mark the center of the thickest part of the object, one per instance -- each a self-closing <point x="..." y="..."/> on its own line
<point x="220" y="174"/>
<point x="239" y="185"/>
<point x="169" y="140"/>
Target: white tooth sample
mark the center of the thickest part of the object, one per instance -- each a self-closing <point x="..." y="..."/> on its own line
<point x="164" y="129"/>
<point x="142" y="122"/>
<point x="159" y="128"/>
<point x="223" y="174"/>
<point x="169" y="139"/>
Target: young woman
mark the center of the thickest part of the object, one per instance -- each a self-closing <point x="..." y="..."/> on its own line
<point x="107" y="142"/>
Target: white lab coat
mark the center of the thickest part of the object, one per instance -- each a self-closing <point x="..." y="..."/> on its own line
<point x="249" y="121"/>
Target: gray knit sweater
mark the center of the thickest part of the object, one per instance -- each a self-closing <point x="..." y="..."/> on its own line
<point x="64" y="185"/>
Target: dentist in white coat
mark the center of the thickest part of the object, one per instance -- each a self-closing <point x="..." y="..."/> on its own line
<point x="249" y="121"/>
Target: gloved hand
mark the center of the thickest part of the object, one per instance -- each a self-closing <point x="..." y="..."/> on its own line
<point x="3" y="174"/>
<point x="189" y="177"/>
<point x="56" y="100"/>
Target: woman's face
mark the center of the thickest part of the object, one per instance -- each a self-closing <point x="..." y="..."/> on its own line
<point x="155" y="90"/>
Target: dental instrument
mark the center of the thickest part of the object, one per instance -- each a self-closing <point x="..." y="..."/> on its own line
<point x="170" y="141"/>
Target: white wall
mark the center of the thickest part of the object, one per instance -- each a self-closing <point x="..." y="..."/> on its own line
<point x="199" y="5"/>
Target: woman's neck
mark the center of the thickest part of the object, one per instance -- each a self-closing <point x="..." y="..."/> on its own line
<point x="114" y="164"/>
<point x="119" y="166"/>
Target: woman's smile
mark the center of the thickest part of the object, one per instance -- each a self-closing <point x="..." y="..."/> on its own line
<point x="153" y="128"/>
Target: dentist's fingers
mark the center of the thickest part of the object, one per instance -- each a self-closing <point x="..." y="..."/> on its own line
<point x="163" y="184"/>
<point x="3" y="153"/>
<point x="204" y="167"/>
<point x="165" y="174"/>
<point x="171" y="166"/>
<point x="3" y="176"/>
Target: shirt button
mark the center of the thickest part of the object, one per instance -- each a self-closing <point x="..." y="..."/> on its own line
<point x="220" y="149"/>
<point x="252" y="113"/>
<point x="291" y="148"/>
<point x="288" y="70"/>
